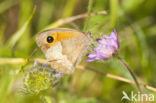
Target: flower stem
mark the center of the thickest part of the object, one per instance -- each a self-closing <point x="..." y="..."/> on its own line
<point x="45" y="99"/>
<point x="48" y="100"/>
<point x="131" y="72"/>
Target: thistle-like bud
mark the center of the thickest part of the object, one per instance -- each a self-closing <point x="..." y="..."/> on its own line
<point x="39" y="78"/>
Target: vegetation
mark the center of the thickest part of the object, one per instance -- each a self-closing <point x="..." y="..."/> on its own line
<point x="134" y="21"/>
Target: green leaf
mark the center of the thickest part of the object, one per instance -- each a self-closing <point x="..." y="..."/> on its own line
<point x="90" y="5"/>
<point x="69" y="8"/>
<point x="12" y="41"/>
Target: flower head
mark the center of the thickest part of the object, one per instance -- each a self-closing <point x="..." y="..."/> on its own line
<point x="39" y="78"/>
<point x="107" y="47"/>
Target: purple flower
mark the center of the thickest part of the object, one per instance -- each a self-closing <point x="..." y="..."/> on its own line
<point x="107" y="47"/>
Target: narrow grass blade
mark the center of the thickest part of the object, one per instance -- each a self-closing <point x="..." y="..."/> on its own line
<point x="89" y="11"/>
<point x="12" y="41"/>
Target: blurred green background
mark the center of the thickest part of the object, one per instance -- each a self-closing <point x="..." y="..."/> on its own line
<point x="134" y="21"/>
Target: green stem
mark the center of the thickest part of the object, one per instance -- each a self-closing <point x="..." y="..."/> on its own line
<point x="45" y="99"/>
<point x="131" y="72"/>
<point x="89" y="11"/>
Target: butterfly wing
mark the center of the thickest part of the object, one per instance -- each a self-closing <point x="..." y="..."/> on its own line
<point x="75" y="48"/>
<point x="65" y="54"/>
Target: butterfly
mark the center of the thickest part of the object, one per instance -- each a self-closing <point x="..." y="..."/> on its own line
<point x="64" y="48"/>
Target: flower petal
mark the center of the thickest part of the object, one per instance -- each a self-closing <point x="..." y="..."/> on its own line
<point x="91" y="55"/>
<point x="106" y="47"/>
<point x="98" y="39"/>
<point x="114" y="34"/>
<point x="102" y="56"/>
<point x="90" y="59"/>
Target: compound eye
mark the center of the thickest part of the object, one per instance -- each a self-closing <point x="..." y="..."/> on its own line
<point x="50" y="39"/>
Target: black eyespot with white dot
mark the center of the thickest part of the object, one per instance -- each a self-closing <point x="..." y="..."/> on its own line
<point x="50" y="39"/>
